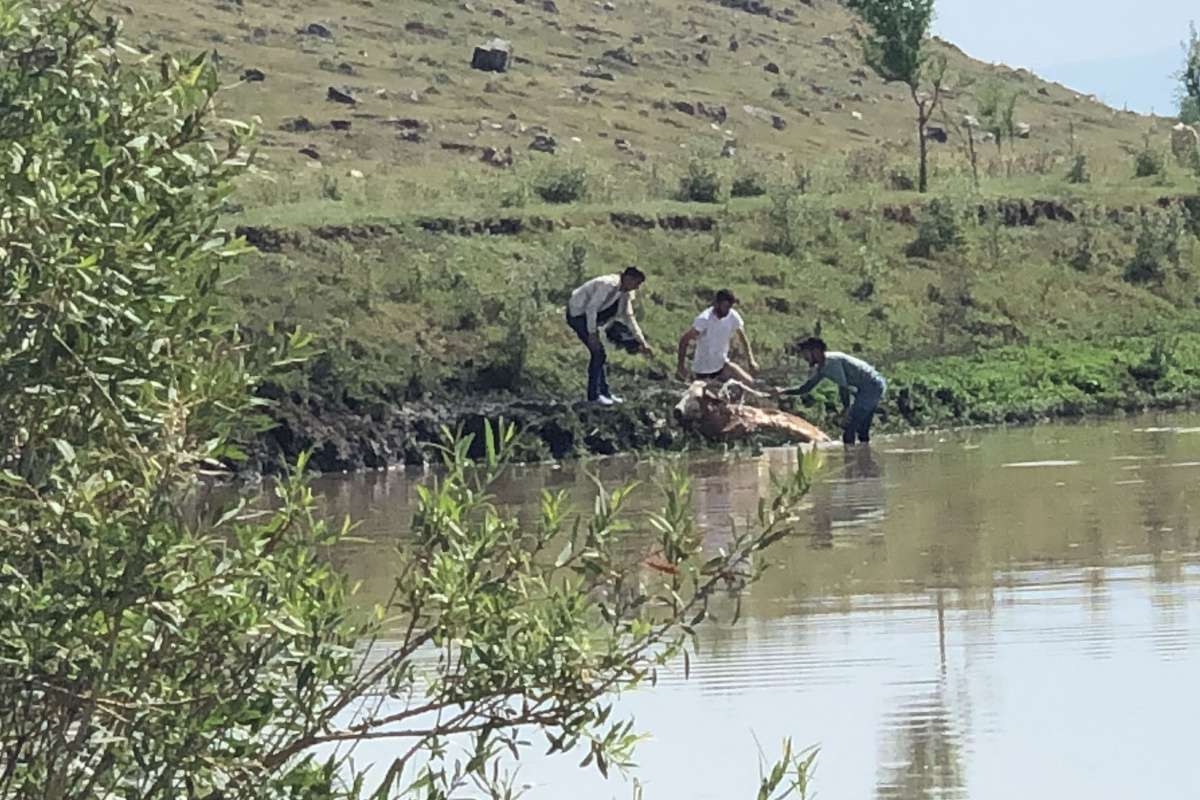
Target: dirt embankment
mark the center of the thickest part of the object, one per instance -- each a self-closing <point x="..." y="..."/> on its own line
<point x="1013" y="213"/>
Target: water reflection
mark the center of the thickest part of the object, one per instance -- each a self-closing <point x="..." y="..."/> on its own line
<point x="943" y="627"/>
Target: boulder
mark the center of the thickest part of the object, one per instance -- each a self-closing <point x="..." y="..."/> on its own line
<point x="340" y="124"/>
<point x="1023" y="130"/>
<point x="254" y="76"/>
<point x="549" y="6"/>
<point x="622" y="55"/>
<point x="543" y="143"/>
<point x="717" y="114"/>
<point x="684" y="107"/>
<point x="492" y="56"/>
<point x="593" y="71"/>
<point x="778" y="122"/>
<point x="771" y="67"/>
<point x="298" y="125"/>
<point x="316" y="29"/>
<point x="343" y="96"/>
<point x="311" y="152"/>
<point x="937" y="134"/>
<point x="497" y="158"/>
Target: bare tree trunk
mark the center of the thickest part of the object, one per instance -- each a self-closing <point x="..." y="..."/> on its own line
<point x="974" y="157"/>
<point x="923" y="173"/>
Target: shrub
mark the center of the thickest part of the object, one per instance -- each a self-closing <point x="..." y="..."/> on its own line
<point x="940" y="228"/>
<point x="1079" y="170"/>
<point x="748" y="184"/>
<point x="1158" y="246"/>
<point x="701" y="184"/>
<point x="559" y="183"/>
<point x="1148" y="162"/>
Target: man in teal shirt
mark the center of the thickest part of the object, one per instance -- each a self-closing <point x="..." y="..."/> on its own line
<point x="852" y="375"/>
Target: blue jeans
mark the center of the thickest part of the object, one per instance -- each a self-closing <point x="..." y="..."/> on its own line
<point x="862" y="414"/>
<point x="597" y="380"/>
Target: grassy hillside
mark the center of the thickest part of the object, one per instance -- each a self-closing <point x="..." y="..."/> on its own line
<point x="634" y="92"/>
<point x="431" y="276"/>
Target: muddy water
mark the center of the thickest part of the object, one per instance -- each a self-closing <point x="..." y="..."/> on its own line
<point x="971" y="615"/>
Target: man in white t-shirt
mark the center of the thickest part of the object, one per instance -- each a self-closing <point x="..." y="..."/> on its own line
<point x="712" y="332"/>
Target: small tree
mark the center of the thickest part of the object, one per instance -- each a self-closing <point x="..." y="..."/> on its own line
<point x="1189" y="79"/>
<point x="996" y="108"/>
<point x="897" y="48"/>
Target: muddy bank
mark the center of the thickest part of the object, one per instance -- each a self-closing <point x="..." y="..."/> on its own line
<point x="341" y="438"/>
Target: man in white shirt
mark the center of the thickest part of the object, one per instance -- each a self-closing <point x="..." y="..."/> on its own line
<point x="596" y="304"/>
<point x="712" y="331"/>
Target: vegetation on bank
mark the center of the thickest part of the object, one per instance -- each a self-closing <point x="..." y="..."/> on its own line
<point x="157" y="646"/>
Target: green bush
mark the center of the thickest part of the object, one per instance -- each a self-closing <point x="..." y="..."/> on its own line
<point x="1148" y="162"/>
<point x="1079" y="170"/>
<point x="559" y="183"/>
<point x="940" y="228"/>
<point x="701" y="183"/>
<point x="748" y="184"/>
<point x="1158" y="246"/>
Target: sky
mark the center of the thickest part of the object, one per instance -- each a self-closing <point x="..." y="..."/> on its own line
<point x="1123" y="51"/>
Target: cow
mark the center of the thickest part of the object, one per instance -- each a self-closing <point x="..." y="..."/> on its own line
<point x="717" y="415"/>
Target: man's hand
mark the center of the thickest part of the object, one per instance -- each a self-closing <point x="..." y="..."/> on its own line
<point x="647" y="350"/>
<point x="753" y="366"/>
<point x="776" y="391"/>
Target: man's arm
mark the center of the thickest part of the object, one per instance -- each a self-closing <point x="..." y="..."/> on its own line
<point x="806" y="387"/>
<point x="685" y="341"/>
<point x="844" y="393"/>
<point x="745" y="340"/>
<point x="625" y="311"/>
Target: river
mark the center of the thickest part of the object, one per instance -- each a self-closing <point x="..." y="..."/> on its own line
<point x="977" y="614"/>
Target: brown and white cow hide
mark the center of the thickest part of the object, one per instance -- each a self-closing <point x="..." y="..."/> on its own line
<point x="717" y="417"/>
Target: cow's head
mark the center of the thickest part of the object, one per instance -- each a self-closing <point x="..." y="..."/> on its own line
<point x="696" y="402"/>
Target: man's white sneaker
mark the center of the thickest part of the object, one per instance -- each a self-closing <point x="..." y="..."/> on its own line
<point x="616" y="399"/>
<point x="604" y="401"/>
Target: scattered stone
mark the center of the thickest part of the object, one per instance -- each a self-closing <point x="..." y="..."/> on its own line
<point x="492" y="56"/>
<point x="970" y="121"/>
<point x="715" y="113"/>
<point x="778" y="122"/>
<point x="420" y="28"/>
<point x="610" y="6"/>
<point x="496" y="158"/>
<point x="684" y="107"/>
<point x="254" y="76"/>
<point x="829" y="41"/>
<point x="413" y="137"/>
<point x="406" y="123"/>
<point x="937" y="134"/>
<point x="346" y="68"/>
<point x="702" y="57"/>
<point x="622" y="145"/>
<point x="593" y="71"/>
<point x="316" y="29"/>
<point x="355" y="174"/>
<point x="311" y="152"/>
<point x="733" y="44"/>
<point x="857" y="115"/>
<point x="622" y="55"/>
<point x="1023" y="130"/>
<point x="900" y="182"/>
<point x="343" y="96"/>
<point x="1043" y="91"/>
<point x="414" y="96"/>
<point x="298" y="125"/>
<point x="771" y="67"/>
<point x="340" y="124"/>
<point x="729" y="148"/>
<point x="458" y="147"/>
<point x="638" y="39"/>
<point x="543" y="143"/>
<point x="549" y="6"/>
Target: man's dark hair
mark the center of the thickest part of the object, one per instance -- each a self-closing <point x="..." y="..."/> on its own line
<point x="724" y="296"/>
<point x="634" y="273"/>
<point x="813" y="343"/>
